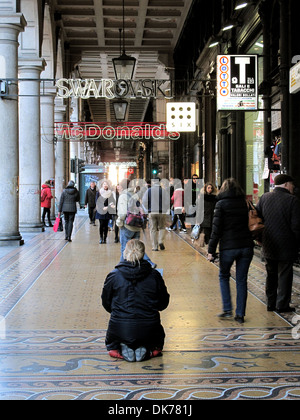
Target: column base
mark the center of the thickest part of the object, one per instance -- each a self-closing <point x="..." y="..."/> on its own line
<point x="11" y="240"/>
<point x="30" y="228"/>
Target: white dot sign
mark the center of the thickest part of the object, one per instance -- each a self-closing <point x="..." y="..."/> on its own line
<point x="181" y="117"/>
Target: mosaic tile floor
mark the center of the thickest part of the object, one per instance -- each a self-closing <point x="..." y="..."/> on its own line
<point x="52" y="346"/>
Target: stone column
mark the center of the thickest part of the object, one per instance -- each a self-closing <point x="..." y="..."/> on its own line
<point x="30" y="144"/>
<point x="10" y="27"/>
<point x="47" y="140"/>
<point x="60" y="152"/>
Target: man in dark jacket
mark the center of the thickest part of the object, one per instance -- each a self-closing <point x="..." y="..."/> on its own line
<point x="156" y="202"/>
<point x="133" y="294"/>
<point x="70" y="196"/>
<point x="281" y="238"/>
<point x="90" y="201"/>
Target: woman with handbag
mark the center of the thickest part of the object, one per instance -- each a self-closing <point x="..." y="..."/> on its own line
<point x="230" y="230"/>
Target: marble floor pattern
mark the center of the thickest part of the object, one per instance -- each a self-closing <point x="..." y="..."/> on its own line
<point x="52" y="328"/>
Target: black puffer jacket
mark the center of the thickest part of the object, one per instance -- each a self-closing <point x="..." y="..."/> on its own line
<point x="134" y="295"/>
<point x="281" y="213"/>
<point x="70" y="196"/>
<point x="230" y="223"/>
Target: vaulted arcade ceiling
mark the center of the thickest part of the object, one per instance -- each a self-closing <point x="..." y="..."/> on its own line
<point x="92" y="31"/>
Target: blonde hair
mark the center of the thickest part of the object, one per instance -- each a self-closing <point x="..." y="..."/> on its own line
<point x="134" y="251"/>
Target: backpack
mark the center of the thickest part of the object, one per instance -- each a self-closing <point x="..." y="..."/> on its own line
<point x="135" y="215"/>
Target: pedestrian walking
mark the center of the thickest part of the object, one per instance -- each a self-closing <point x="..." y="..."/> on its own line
<point x="230" y="230"/>
<point x="90" y="202"/>
<point x="68" y="206"/>
<point x="46" y="197"/>
<point x="209" y="192"/>
<point x="156" y="202"/>
<point x="280" y="210"/>
<point x="127" y="232"/>
<point x="134" y="293"/>
<point x="177" y="201"/>
<point x="106" y="207"/>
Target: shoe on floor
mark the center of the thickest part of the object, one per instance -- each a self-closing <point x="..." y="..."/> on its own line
<point x="116" y="354"/>
<point x="140" y="354"/>
<point x="239" y="319"/>
<point x="288" y="309"/>
<point x="156" y="353"/>
<point x="225" y="315"/>
<point x="154" y="249"/>
<point x="128" y="353"/>
<point x="162" y="247"/>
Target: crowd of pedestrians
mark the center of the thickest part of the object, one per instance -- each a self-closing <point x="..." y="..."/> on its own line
<point x="134" y="292"/>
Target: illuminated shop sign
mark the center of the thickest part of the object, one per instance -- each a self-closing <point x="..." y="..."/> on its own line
<point x="83" y="131"/>
<point x="237" y="83"/>
<point x="181" y="116"/>
<point x="114" y="89"/>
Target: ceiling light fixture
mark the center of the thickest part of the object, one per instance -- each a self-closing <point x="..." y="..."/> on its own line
<point x="241" y="4"/>
<point x="124" y="65"/>
<point x="120" y="109"/>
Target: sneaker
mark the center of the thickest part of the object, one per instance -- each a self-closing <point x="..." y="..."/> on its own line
<point x="140" y="354"/>
<point x="162" y="247"/>
<point x="225" y="315"/>
<point x="239" y="319"/>
<point x="183" y="230"/>
<point x="169" y="229"/>
<point x="156" y="353"/>
<point x="128" y="353"/>
<point x="116" y="354"/>
<point x="154" y="249"/>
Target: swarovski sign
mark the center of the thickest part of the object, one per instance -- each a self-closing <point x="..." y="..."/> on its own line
<point x="114" y="89"/>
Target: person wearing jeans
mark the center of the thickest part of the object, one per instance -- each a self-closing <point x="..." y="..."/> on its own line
<point x="243" y="258"/>
<point x="230" y="230"/>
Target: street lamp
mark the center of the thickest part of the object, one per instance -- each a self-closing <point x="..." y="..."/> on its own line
<point x="120" y="109"/>
<point x="124" y="65"/>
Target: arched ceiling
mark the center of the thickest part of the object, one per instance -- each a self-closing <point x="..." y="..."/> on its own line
<point x="91" y="30"/>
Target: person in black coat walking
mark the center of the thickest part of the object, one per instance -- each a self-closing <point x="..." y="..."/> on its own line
<point x="230" y="230"/>
<point x="280" y="210"/>
<point x="133" y="294"/>
<point x="106" y="208"/>
<point x="70" y="196"/>
<point x="90" y="201"/>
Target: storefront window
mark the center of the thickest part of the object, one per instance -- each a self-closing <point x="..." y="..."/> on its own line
<point x="254" y="137"/>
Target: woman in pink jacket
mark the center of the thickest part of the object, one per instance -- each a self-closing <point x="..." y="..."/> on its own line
<point x="177" y="201"/>
<point x="46" y="197"/>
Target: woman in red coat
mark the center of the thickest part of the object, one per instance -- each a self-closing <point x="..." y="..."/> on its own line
<point x="46" y="197"/>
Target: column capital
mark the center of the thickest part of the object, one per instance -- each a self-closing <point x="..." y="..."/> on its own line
<point x="31" y="63"/>
<point x="13" y="20"/>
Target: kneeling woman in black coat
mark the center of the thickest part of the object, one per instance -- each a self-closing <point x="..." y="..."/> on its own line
<point x="133" y="294"/>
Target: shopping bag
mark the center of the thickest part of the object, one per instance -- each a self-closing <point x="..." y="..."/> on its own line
<point x="56" y="224"/>
<point x="195" y="232"/>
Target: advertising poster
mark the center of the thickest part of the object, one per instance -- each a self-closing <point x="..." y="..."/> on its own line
<point x="237" y="84"/>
